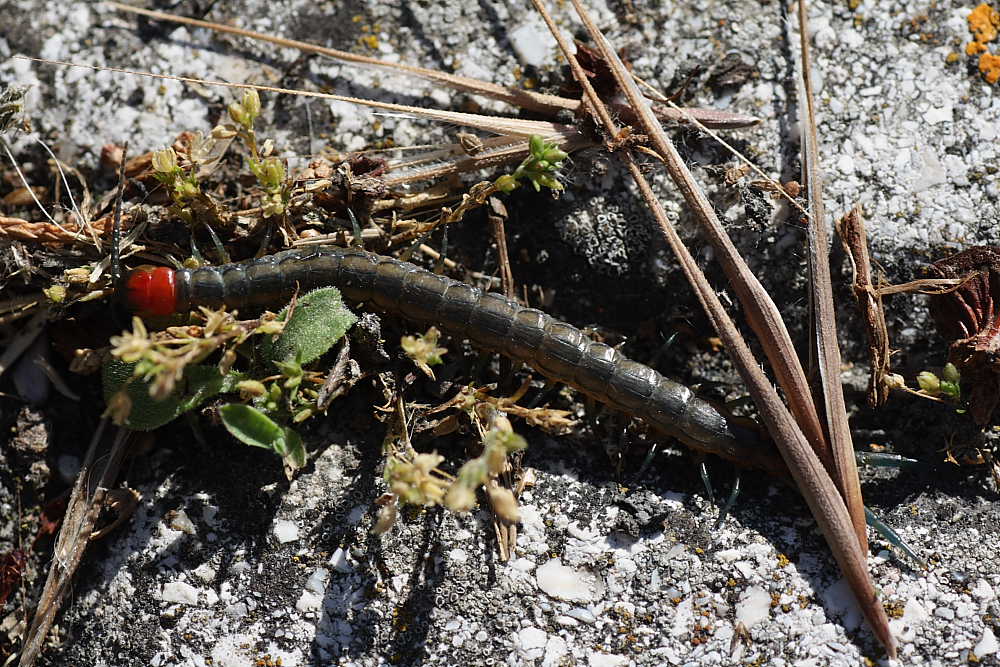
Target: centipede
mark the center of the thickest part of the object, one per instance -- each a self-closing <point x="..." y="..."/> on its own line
<point x="559" y="351"/>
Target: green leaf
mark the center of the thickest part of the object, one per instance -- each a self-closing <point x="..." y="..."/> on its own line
<point x="295" y="451"/>
<point x="252" y="427"/>
<point x="199" y="384"/>
<point x="320" y="320"/>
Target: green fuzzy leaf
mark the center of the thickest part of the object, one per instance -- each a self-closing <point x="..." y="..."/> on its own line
<point x="320" y="320"/>
<point x="199" y="384"/>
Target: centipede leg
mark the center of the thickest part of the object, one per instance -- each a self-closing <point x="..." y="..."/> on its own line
<point x="730" y="502"/>
<point x="543" y="394"/>
<point x="892" y="537"/>
<point x="703" y="471"/>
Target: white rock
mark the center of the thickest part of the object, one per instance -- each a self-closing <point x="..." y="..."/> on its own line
<point x="683" y="618"/>
<point x="532" y="43"/>
<point x="914" y="613"/>
<point x="285" y="531"/>
<point x="987" y="645"/>
<point x="180" y="521"/>
<point x="939" y="115"/>
<point x="179" y="591"/>
<point x="523" y="564"/>
<point x="754" y="606"/>
<point x="309" y="601"/>
<point x="983" y="590"/>
<point x="316" y="583"/>
<point x="595" y="659"/>
<point x="230" y="652"/>
<point x="205" y="572"/>
<point x="531" y="643"/>
<point x="340" y="561"/>
<point x="582" y="615"/>
<point x="566" y="583"/>
<point x="555" y="651"/>
<point x="727" y="555"/>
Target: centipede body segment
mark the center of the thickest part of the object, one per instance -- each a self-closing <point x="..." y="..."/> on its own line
<point x="557" y="350"/>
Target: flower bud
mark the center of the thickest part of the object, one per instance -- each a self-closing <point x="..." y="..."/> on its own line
<point x="386" y="519"/>
<point x="929" y="382"/>
<point x="251" y="103"/>
<point x="950" y="373"/>
<point x="251" y="389"/>
<point x="273" y="173"/>
<point x="506" y="183"/>
<point x="238" y="114"/>
<point x="165" y="161"/>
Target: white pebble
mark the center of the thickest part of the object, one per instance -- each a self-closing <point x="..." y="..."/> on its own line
<point x="531" y="643"/>
<point x="987" y="645"/>
<point x="179" y="591"/>
<point x="566" y="583"/>
<point x="285" y="531"/>
<point x="754" y="606"/>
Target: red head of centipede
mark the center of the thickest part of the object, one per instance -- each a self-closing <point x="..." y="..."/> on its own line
<point x="150" y="290"/>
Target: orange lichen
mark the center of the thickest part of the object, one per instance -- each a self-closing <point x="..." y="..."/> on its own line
<point x="983" y="22"/>
<point x="989" y="66"/>
<point x="975" y="48"/>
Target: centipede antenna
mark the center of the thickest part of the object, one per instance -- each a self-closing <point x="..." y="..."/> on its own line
<point x="116" y="228"/>
<point x="730" y="501"/>
<point x="406" y="254"/>
<point x="647" y="461"/>
<point x="662" y="350"/>
<point x="355" y="229"/>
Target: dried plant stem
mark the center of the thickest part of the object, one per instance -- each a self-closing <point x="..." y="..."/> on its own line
<point x="514" y="127"/>
<point x="523" y="99"/>
<point x="497" y="218"/>
<point x="851" y="229"/>
<point x="845" y="468"/>
<point x="47" y="232"/>
<point x="762" y="314"/>
<point x="96" y="476"/>
<point x="810" y="474"/>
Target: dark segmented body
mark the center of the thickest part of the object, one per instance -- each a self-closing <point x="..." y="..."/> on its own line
<point x="556" y="349"/>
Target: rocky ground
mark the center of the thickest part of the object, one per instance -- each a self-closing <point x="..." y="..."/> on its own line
<point x="226" y="563"/>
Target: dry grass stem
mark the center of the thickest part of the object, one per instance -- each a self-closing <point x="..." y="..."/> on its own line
<point x="762" y="314"/>
<point x="95" y="478"/>
<point x="513" y="127"/>
<point x="810" y="474"/>
<point x="517" y="97"/>
<point x="824" y="318"/>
